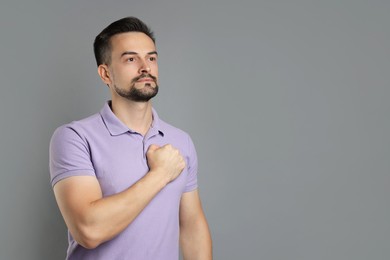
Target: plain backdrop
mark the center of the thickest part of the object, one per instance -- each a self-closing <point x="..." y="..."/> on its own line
<point x="287" y="103"/>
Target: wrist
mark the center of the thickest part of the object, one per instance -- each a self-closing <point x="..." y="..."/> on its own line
<point x="159" y="177"/>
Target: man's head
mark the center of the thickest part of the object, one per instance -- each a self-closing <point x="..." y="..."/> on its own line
<point x="102" y="45"/>
<point x="127" y="60"/>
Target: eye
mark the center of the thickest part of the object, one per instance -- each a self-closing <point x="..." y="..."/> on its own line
<point x="130" y="59"/>
<point x="152" y="58"/>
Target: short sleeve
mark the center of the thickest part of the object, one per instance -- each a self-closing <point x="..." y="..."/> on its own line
<point x="69" y="155"/>
<point x="192" y="167"/>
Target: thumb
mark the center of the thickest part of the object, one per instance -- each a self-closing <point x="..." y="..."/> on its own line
<point x="153" y="147"/>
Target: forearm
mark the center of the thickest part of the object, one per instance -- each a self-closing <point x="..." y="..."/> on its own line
<point x="106" y="217"/>
<point x="195" y="240"/>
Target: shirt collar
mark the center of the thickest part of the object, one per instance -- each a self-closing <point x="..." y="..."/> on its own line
<point x="117" y="127"/>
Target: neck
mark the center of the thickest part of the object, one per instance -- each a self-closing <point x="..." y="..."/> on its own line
<point x="135" y="115"/>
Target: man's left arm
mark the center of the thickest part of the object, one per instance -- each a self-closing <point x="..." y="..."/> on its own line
<point x="195" y="238"/>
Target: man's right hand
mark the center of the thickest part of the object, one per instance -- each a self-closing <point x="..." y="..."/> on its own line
<point x="165" y="160"/>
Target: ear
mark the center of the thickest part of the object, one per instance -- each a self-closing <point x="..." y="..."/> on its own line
<point x="104" y="73"/>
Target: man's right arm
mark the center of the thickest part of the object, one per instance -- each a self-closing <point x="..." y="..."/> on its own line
<point x="93" y="219"/>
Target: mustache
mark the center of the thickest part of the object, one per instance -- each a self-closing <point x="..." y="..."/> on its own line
<point x="144" y="76"/>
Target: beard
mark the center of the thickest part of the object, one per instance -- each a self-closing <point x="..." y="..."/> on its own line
<point x="143" y="94"/>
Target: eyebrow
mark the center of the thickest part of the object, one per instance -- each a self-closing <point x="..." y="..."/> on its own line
<point x="134" y="53"/>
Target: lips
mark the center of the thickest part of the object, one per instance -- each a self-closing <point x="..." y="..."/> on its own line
<point x="145" y="78"/>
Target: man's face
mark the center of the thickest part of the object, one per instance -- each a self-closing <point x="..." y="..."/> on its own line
<point x="133" y="69"/>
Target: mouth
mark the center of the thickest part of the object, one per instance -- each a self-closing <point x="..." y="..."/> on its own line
<point x="145" y="78"/>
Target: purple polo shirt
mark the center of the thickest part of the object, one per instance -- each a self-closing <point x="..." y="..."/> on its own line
<point x="102" y="146"/>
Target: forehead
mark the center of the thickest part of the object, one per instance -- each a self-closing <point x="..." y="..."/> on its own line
<point x="131" y="41"/>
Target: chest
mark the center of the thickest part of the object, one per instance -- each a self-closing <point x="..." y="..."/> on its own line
<point x="120" y="161"/>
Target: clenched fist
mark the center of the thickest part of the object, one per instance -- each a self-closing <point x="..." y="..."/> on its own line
<point x="165" y="160"/>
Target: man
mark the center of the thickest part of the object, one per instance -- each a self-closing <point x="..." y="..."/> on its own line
<point x="124" y="180"/>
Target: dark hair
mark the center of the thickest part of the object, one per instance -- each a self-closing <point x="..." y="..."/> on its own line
<point x="102" y="45"/>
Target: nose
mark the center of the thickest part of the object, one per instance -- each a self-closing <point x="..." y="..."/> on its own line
<point x="144" y="68"/>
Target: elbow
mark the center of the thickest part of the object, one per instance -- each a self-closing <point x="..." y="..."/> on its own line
<point x="88" y="238"/>
<point x="88" y="243"/>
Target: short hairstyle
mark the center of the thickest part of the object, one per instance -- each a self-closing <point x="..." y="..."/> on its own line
<point x="102" y="44"/>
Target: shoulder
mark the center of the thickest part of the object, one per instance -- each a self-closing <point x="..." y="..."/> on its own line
<point x="76" y="137"/>
<point x="71" y="142"/>
<point x="81" y="128"/>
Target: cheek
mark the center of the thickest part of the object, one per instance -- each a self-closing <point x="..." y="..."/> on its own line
<point x="155" y="71"/>
<point x="154" y="67"/>
<point x="126" y="74"/>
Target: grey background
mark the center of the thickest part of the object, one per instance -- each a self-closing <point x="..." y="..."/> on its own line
<point x="287" y="103"/>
